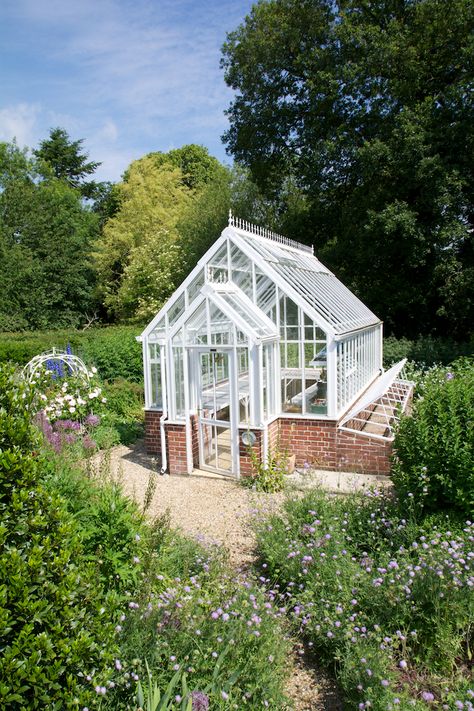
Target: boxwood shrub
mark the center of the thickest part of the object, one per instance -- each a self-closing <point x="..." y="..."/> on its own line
<point x="57" y="638"/>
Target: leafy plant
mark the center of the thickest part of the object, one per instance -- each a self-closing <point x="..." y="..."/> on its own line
<point x="380" y="595"/>
<point x="434" y="448"/>
<point x="58" y="635"/>
<point x="267" y="476"/>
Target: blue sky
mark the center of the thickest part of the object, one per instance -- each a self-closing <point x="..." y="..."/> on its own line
<point x="128" y="76"/>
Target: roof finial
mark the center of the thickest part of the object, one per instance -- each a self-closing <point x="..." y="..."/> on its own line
<point x="231" y="218"/>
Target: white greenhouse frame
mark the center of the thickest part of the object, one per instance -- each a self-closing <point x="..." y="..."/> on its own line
<point x="294" y="341"/>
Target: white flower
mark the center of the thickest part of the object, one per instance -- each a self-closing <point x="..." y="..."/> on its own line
<point x="104" y="399"/>
<point x="92" y="395"/>
<point x="94" y="369"/>
<point x="72" y="409"/>
<point x="72" y="401"/>
<point x="43" y="396"/>
<point x="64" y="386"/>
<point x="80" y="401"/>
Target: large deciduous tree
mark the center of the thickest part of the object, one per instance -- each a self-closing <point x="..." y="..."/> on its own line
<point x="366" y="106"/>
<point x="141" y="257"/>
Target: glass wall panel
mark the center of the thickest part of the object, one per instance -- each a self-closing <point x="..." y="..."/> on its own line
<point x="176" y="310"/>
<point x="156" y="393"/>
<point x="160" y="330"/>
<point x="195" y="286"/>
<point x="196" y="326"/>
<point x="357" y="364"/>
<point x="243" y="385"/>
<point x="268" y="374"/>
<point x="241" y="270"/>
<point x="218" y="266"/>
<point x="266" y="294"/>
<point x="178" y="355"/>
<point x="222" y="329"/>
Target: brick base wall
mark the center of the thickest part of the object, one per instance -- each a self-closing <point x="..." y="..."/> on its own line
<point x="152" y="432"/>
<point x="246" y="467"/>
<point x="317" y="442"/>
<point x="323" y="446"/>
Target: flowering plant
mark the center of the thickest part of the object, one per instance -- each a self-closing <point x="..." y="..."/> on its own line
<point x="68" y="405"/>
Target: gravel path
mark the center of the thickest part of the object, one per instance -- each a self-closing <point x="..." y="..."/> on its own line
<point x="217" y="509"/>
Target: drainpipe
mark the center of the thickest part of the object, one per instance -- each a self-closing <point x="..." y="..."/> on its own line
<point x="164" y="416"/>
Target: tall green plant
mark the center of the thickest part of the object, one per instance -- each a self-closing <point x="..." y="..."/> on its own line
<point x="434" y="448"/>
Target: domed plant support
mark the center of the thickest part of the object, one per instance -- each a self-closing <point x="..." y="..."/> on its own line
<point x="61" y="363"/>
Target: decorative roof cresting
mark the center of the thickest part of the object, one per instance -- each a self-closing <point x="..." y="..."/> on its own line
<point x="252" y="229"/>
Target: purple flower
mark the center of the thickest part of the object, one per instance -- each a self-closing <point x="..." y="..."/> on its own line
<point x="427" y="696"/>
<point x="402" y="664"/>
<point x="88" y="443"/>
<point x="92" y="420"/>
<point x="449" y="376"/>
<point x="200" y="702"/>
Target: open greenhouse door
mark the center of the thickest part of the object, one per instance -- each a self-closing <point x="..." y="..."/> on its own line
<point x="217" y="427"/>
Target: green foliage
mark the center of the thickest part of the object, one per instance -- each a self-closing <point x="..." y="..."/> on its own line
<point x="268" y="476"/>
<point x="361" y="106"/>
<point x="113" y="350"/>
<point x="57" y="625"/>
<point x="64" y="158"/>
<point x="46" y="233"/>
<point x="204" y="630"/>
<point x="140" y="258"/>
<point x="425" y="351"/>
<point x="434" y="448"/>
<point x="383" y="596"/>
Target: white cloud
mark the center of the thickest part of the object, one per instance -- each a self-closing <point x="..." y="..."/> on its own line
<point x="139" y="75"/>
<point x="19" y="121"/>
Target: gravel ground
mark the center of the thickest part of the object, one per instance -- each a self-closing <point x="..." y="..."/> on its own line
<point x="217" y="509"/>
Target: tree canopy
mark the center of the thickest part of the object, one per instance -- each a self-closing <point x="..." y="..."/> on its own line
<point x="67" y="161"/>
<point x="45" y="238"/>
<point x="366" y="106"/>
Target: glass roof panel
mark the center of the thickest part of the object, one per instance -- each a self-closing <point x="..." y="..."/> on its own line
<point x="251" y="316"/>
<point x="313" y="282"/>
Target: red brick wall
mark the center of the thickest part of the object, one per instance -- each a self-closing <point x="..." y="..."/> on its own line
<point x="176" y="445"/>
<point x="152" y="432"/>
<point x="323" y="446"/>
<point x="246" y="468"/>
<point x="317" y="442"/>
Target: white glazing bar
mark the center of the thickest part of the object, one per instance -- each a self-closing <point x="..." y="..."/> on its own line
<point x="332" y="379"/>
<point x="234" y="409"/>
<point x="187" y="408"/>
<point x="254" y="385"/>
<point x="146" y="371"/>
<point x="260" y="384"/>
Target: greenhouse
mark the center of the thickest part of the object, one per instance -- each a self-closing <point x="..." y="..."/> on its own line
<point x="263" y="347"/>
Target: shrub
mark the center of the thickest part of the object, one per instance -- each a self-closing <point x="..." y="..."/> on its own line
<point x="434" y="462"/>
<point x="385" y="598"/>
<point x="57" y="625"/>
<point x="425" y="350"/>
<point x="113" y="350"/>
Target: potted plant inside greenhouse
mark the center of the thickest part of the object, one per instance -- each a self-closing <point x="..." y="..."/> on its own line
<point x="261" y="337"/>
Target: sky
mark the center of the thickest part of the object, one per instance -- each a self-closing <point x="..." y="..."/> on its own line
<point x="128" y="76"/>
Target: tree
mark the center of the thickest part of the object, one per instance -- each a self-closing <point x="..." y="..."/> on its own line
<point x="140" y="235"/>
<point x="167" y="205"/>
<point x="67" y="161"/>
<point x="46" y="233"/>
<point x="366" y="107"/>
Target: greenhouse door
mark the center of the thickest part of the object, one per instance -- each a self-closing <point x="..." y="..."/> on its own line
<point x="217" y="446"/>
